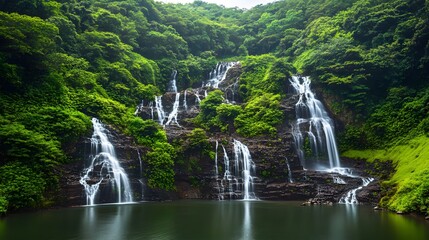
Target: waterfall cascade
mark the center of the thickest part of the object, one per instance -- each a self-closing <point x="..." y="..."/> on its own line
<point x="289" y="172"/>
<point x="218" y="75"/>
<point x="104" y="166"/>
<point x="338" y="180"/>
<point x="239" y="181"/>
<point x="185" y="103"/>
<point x="159" y="109"/>
<point x="172" y="117"/>
<point x="141" y="174"/>
<point x="168" y="111"/>
<point x="313" y="124"/>
<point x="314" y="129"/>
<point x="350" y="196"/>
<point x="172" y="86"/>
<point x="139" y="108"/>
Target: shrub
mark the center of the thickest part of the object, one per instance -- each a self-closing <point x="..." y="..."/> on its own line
<point x="20" y="186"/>
<point x="146" y="132"/>
<point x="260" y="116"/>
<point x="160" y="173"/>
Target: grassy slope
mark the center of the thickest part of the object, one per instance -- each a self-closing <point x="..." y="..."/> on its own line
<point x="410" y="182"/>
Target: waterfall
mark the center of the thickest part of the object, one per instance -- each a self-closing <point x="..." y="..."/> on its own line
<point x="217" y="171"/>
<point x="216" y="167"/>
<point x="104" y="166"/>
<point x="185" y="104"/>
<point x="141" y="174"/>
<point x="313" y="119"/>
<point x="139" y="108"/>
<point x="244" y="159"/>
<point x="172" y="87"/>
<point x="197" y="98"/>
<point x="350" y="196"/>
<point x="218" y="75"/>
<point x="151" y="109"/>
<point x="241" y="180"/>
<point x="289" y="172"/>
<point x="230" y="92"/>
<point x="173" y="115"/>
<point x="338" y="180"/>
<point x="227" y="177"/>
<point x="159" y="109"/>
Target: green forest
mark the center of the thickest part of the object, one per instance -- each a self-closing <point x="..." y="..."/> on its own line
<point x="63" y="62"/>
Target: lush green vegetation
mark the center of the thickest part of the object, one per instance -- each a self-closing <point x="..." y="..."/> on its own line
<point x="63" y="62"/>
<point x="260" y="116"/>
<point x="193" y="148"/>
<point x="408" y="189"/>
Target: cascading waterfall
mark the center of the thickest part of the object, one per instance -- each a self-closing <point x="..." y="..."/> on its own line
<point x="151" y="109"/>
<point x="172" y="85"/>
<point x="139" y="108"/>
<point x="218" y="74"/>
<point x="231" y="91"/>
<point x="289" y="172"/>
<point x="244" y="159"/>
<point x="338" y="180"/>
<point x="185" y="104"/>
<point x="141" y="173"/>
<point x="350" y="196"/>
<point x="159" y="109"/>
<point x="217" y="170"/>
<point x="314" y="120"/>
<point x="241" y="181"/>
<point x="197" y="98"/>
<point x="172" y="117"/>
<point x="104" y="166"/>
<point x="227" y="177"/>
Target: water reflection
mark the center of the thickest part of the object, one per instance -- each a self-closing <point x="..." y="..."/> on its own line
<point x="102" y="224"/>
<point x="226" y="220"/>
<point x="247" y="222"/>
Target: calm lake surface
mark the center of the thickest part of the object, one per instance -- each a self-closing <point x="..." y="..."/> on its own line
<point x="213" y="220"/>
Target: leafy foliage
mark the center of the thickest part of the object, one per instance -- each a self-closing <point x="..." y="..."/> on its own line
<point x="264" y="74"/>
<point x="192" y="149"/>
<point x="160" y="160"/>
<point x="147" y="132"/>
<point x="408" y="185"/>
<point x="260" y="116"/>
<point x="20" y="187"/>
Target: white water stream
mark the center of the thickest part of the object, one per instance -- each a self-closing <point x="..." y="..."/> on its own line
<point x="313" y="124"/>
<point x="218" y="75"/>
<point x="241" y="180"/>
<point x="350" y="196"/>
<point x="104" y="166"/>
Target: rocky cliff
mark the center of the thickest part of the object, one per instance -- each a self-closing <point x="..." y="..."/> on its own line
<point x="279" y="174"/>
